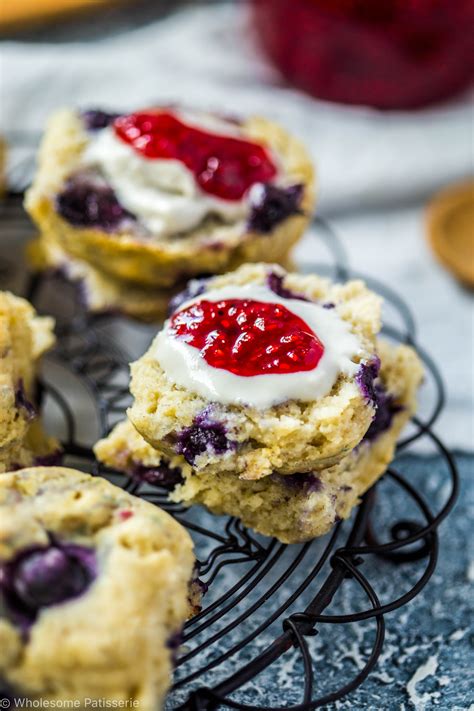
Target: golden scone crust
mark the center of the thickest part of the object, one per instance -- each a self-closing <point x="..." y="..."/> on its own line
<point x="292" y="508"/>
<point x="291" y="437"/>
<point x="110" y="642"/>
<point x="162" y="262"/>
<point x="24" y="337"/>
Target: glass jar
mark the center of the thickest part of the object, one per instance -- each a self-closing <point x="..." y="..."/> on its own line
<point x="391" y="54"/>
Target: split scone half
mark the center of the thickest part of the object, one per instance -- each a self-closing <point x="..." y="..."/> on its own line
<point x="24" y="337"/>
<point x="164" y="194"/>
<point x="94" y="590"/>
<point x="296" y="507"/>
<point x="259" y="372"/>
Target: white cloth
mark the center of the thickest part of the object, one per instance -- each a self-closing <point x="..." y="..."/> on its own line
<point x="205" y="57"/>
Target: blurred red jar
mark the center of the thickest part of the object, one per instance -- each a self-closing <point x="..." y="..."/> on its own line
<point x="392" y="54"/>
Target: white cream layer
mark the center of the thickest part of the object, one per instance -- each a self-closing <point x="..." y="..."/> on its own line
<point x="163" y="194"/>
<point x="185" y="366"/>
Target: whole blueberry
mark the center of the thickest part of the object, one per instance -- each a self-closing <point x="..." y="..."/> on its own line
<point x="41" y="578"/>
<point x="386" y="409"/>
<point x="307" y="482"/>
<point x="273" y="206"/>
<point x="87" y="204"/>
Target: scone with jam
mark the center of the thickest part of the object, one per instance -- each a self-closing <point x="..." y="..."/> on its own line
<point x="24" y="337"/>
<point x="163" y="194"/>
<point x="295" y="507"/>
<point x="259" y="372"/>
<point x="94" y="590"/>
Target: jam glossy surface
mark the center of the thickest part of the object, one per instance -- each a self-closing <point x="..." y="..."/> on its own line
<point x="224" y="166"/>
<point x="248" y="337"/>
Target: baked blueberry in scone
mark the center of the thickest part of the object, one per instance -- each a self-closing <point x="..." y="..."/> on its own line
<point x="292" y="507"/>
<point x="94" y="589"/>
<point x="24" y="337"/>
<point x="163" y="194"/>
<point x="254" y="373"/>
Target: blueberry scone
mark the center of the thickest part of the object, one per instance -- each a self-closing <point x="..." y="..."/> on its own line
<point x="163" y="194"/>
<point x="260" y="371"/>
<point x="295" y="507"/>
<point x="24" y="337"/>
<point x="94" y="589"/>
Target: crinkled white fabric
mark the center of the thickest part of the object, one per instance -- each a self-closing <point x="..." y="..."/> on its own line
<point x="205" y="57"/>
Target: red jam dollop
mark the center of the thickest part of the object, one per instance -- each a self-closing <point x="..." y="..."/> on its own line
<point x="248" y="337"/>
<point x="223" y="166"/>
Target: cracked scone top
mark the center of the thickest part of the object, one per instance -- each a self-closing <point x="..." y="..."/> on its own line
<point x="24" y="337"/>
<point x="260" y="371"/>
<point x="165" y="193"/>
<point x="94" y="587"/>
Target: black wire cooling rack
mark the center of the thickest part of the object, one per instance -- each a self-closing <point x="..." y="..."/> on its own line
<point x="264" y="600"/>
